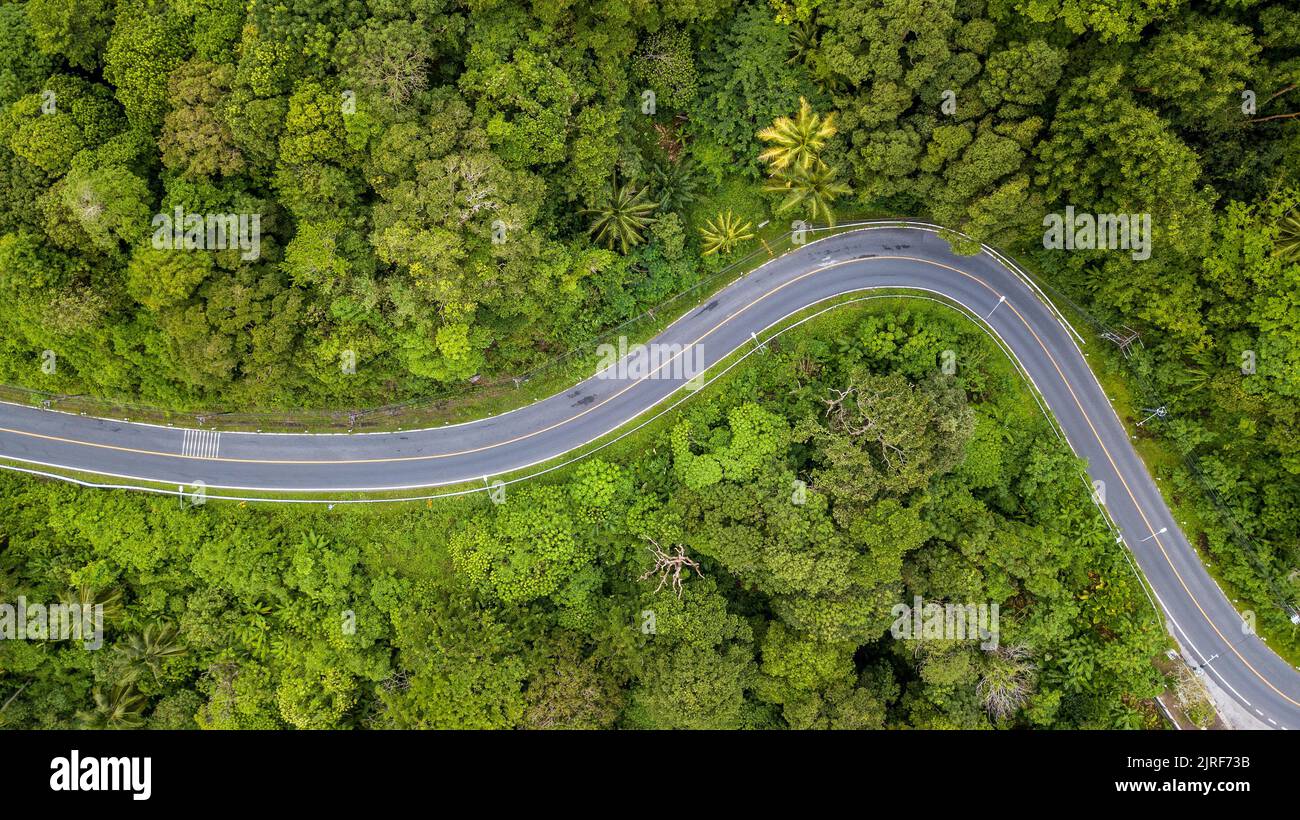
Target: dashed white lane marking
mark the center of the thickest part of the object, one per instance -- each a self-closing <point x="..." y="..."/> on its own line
<point x="201" y="443"/>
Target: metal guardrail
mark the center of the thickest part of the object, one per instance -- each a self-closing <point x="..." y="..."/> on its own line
<point x="381" y="417"/>
<point x="647" y="322"/>
<point x="1150" y="394"/>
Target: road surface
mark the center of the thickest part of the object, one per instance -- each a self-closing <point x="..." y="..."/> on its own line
<point x="905" y="257"/>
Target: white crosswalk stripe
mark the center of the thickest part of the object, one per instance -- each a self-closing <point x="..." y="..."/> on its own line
<point x="201" y="443"/>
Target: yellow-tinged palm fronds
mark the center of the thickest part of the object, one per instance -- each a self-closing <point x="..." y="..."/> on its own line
<point x="796" y="141"/>
<point x="814" y="189"/>
<point x="724" y="232"/>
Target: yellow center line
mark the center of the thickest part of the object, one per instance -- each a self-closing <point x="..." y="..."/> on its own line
<point x="708" y="333"/>
<point x="1146" y="520"/>
<point x="471" y="451"/>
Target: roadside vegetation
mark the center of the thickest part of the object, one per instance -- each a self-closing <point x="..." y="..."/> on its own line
<point x="802" y="496"/>
<point x="451" y="193"/>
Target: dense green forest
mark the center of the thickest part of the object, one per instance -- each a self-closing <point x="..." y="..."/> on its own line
<point x="548" y="610"/>
<point x="458" y="188"/>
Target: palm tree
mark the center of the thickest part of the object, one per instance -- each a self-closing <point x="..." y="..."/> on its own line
<point x="815" y="188"/>
<point x="87" y="598"/>
<point x="1288" y="237"/>
<point x="797" y="141"/>
<point x="803" y="41"/>
<point x="119" y="709"/>
<point x="724" y="232"/>
<point x="151" y="648"/>
<point x="675" y="183"/>
<point x="621" y="217"/>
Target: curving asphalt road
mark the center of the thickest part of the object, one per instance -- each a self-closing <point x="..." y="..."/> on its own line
<point x="893" y="256"/>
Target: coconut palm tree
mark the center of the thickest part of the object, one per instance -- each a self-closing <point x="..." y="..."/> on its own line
<point x="803" y="41"/>
<point x="151" y="648"/>
<point x="724" y="232"/>
<point x="119" y="708"/>
<point x="675" y="183"/>
<point x="1287" y="242"/>
<point x="87" y="598"/>
<point x="621" y="217"/>
<point x="815" y="189"/>
<point x="797" y="141"/>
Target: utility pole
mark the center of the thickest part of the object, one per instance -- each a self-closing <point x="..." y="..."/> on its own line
<point x="1124" y="337"/>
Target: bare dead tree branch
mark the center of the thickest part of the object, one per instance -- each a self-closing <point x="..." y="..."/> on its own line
<point x="1281" y="91"/>
<point x="670" y="566"/>
<point x="839" y="416"/>
<point x="1276" y="117"/>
